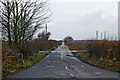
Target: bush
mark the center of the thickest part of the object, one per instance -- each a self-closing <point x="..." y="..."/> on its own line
<point x="105" y="54"/>
<point x="21" y="56"/>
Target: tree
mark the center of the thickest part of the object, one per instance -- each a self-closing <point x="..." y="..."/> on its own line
<point x="44" y="35"/>
<point x="21" y="19"/>
<point x="68" y="39"/>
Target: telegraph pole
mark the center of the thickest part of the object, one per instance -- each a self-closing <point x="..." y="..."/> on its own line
<point x="96" y="35"/>
<point x="104" y="35"/>
<point x="101" y="36"/>
<point x="46" y="30"/>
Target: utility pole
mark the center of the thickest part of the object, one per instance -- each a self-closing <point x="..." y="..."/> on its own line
<point x="46" y="30"/>
<point x="101" y="36"/>
<point x="96" y="35"/>
<point x="104" y="35"/>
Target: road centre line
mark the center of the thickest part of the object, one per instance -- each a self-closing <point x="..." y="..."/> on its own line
<point x="61" y="57"/>
<point x="66" y="67"/>
<point x="71" y="75"/>
<point x="65" y="51"/>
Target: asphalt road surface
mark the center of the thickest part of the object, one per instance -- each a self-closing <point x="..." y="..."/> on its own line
<point x="57" y="66"/>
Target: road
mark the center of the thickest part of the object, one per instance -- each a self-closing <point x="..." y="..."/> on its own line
<point x="57" y="66"/>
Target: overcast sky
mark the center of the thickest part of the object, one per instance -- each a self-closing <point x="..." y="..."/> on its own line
<point x="81" y="18"/>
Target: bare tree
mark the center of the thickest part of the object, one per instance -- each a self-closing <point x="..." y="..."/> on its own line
<point x="5" y="20"/>
<point x="21" y="19"/>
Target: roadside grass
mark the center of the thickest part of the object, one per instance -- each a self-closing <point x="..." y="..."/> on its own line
<point x="102" y="63"/>
<point x="25" y="63"/>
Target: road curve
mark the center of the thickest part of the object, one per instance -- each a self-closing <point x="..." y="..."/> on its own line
<point x="57" y="66"/>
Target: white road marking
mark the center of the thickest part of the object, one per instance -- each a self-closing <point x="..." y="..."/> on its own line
<point x="98" y="73"/>
<point x="61" y="57"/>
<point x="66" y="67"/>
<point x="71" y="75"/>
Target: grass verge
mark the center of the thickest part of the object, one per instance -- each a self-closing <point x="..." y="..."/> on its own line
<point x="23" y="64"/>
<point x="102" y="63"/>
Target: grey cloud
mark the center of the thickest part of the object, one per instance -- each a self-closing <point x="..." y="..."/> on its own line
<point x="84" y="27"/>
